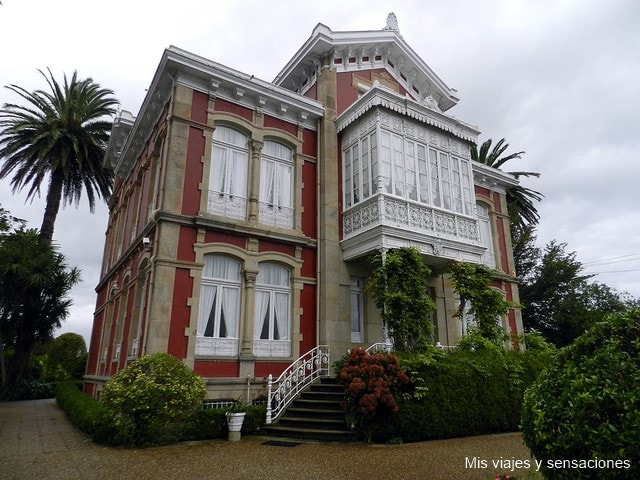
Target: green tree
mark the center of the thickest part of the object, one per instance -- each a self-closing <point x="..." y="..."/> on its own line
<point x="62" y="134"/>
<point x="559" y="300"/>
<point x="34" y="283"/>
<point x="520" y="200"/>
<point x="399" y="286"/>
<point x="66" y="357"/>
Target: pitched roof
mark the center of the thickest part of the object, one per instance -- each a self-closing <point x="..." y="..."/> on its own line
<point x="361" y="50"/>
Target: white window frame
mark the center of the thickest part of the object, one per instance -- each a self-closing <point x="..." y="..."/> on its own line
<point x="212" y="338"/>
<point x="356" y="303"/>
<point x="360" y="170"/>
<point x="486" y="235"/>
<point x="277" y="175"/>
<point x="272" y="311"/>
<point x="228" y="173"/>
<point x="406" y="169"/>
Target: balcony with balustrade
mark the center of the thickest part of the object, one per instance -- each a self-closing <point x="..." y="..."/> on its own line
<point x="383" y="221"/>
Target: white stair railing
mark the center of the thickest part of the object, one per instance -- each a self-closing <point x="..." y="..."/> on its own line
<point x="281" y="392"/>
<point x="380" y="347"/>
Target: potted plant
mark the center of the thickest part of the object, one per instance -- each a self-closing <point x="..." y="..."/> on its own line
<point x="235" y="418"/>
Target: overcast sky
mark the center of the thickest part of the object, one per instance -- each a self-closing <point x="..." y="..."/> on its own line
<point x="558" y="79"/>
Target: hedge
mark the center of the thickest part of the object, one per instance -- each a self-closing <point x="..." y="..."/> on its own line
<point x="463" y="393"/>
<point x="586" y="407"/>
<point x="85" y="412"/>
<point x="92" y="418"/>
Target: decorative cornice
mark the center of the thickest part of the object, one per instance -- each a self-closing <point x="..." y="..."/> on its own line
<point x="179" y="67"/>
<point x="379" y="96"/>
<point x="492" y="178"/>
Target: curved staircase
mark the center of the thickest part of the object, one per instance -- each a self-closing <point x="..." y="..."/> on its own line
<point x="315" y="415"/>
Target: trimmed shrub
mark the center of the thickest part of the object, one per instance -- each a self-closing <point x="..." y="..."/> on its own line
<point x="254" y="419"/>
<point x="210" y="423"/>
<point x="461" y="393"/>
<point x="85" y="412"/>
<point x="204" y="424"/>
<point x="152" y="399"/>
<point x="586" y="406"/>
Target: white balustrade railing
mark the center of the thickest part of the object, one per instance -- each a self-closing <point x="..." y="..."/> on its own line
<point x="445" y="348"/>
<point x="387" y="211"/>
<point x="309" y="367"/>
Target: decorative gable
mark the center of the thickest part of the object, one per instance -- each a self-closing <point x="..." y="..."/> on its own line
<point x="366" y="50"/>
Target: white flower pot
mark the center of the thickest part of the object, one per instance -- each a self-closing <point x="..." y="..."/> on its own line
<point x="234" y="422"/>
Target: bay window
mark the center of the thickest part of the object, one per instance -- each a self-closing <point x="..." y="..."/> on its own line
<point x="407" y="169"/>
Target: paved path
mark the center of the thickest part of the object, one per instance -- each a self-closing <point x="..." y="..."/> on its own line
<point x="38" y="442"/>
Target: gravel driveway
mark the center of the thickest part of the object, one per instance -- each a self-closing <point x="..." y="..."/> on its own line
<point x="38" y="442"/>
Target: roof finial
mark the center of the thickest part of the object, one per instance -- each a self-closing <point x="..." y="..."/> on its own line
<point x="392" y="23"/>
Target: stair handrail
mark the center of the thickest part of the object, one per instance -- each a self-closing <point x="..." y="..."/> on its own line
<point x="380" y="347"/>
<point x="309" y="367"/>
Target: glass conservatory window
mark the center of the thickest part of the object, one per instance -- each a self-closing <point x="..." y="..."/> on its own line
<point x="409" y="170"/>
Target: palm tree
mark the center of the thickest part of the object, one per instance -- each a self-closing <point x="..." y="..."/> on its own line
<point x="61" y="133"/>
<point x="519" y="199"/>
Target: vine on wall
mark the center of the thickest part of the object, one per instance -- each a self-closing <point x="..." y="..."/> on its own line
<point x="399" y="287"/>
<point x="472" y="283"/>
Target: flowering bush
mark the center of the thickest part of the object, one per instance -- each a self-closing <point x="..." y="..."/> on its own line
<point x="371" y="385"/>
<point x="151" y="399"/>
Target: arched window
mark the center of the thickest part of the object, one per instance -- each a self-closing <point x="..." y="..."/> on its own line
<point x="276" y="185"/>
<point x="486" y="237"/>
<point x="139" y="309"/>
<point x="272" y="311"/>
<point x="219" y="313"/>
<point x="228" y="174"/>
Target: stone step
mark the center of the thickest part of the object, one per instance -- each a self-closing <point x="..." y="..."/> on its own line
<point x="316" y="415"/>
<point x="311" y="434"/>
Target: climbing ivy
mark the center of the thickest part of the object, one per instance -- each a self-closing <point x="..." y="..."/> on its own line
<point x="472" y="283"/>
<point x="399" y="287"/>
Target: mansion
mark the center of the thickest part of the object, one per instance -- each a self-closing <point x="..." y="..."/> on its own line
<point x="245" y="213"/>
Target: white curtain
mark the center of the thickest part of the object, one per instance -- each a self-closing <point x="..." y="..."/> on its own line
<point x="216" y="268"/>
<point x="282" y="316"/>
<point x="283" y="198"/>
<point x="273" y="274"/>
<point x="207" y="299"/>
<point x="229" y="162"/>
<point x="238" y="174"/>
<point x="267" y="181"/>
<point x="276" y="174"/>
<point x="217" y="178"/>
<point x="385" y="160"/>
<point x="221" y="267"/>
<point x="229" y="312"/>
<point x="261" y="314"/>
<point x="423" y="174"/>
